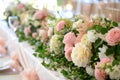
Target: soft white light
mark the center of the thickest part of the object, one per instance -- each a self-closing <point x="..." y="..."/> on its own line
<point x="69" y="7"/>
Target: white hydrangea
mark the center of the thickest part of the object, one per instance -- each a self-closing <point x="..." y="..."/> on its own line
<point x="55" y="43"/>
<point x="90" y="70"/>
<point x="92" y="35"/>
<point x="81" y="55"/>
<point x="77" y="24"/>
<point x="102" y="52"/>
<point x="115" y="73"/>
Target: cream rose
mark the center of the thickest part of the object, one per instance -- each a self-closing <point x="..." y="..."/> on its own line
<point x="81" y="55"/>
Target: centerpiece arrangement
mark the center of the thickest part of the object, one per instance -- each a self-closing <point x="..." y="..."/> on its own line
<point x="81" y="48"/>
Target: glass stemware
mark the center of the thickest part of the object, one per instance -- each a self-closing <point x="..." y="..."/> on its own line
<point x="13" y="22"/>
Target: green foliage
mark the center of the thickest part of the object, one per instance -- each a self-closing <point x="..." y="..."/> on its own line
<point x="114" y="23"/>
<point x="99" y="29"/>
<point x="110" y="50"/>
<point x="20" y="34"/>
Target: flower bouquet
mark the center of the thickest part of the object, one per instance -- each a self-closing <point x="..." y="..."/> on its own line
<point x="18" y="14"/>
<point x="80" y="48"/>
<point x="86" y="48"/>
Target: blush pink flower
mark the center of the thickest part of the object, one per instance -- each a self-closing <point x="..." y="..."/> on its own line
<point x="60" y="25"/>
<point x="27" y="31"/>
<point x="40" y="14"/>
<point x="113" y="36"/>
<point x="68" y="54"/>
<point x="105" y="60"/>
<point x="100" y="74"/>
<point x="34" y="34"/>
<point x="67" y="46"/>
<point x="69" y="38"/>
<point x="20" y="6"/>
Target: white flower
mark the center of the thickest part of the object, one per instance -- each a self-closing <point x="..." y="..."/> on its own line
<point x="92" y="35"/>
<point x="115" y="74"/>
<point x="84" y="40"/>
<point x="90" y="70"/>
<point x="81" y="55"/>
<point x="77" y="24"/>
<point x="102" y="52"/>
<point x="55" y="43"/>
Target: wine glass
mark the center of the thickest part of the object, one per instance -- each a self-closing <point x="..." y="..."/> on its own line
<point x="13" y="22"/>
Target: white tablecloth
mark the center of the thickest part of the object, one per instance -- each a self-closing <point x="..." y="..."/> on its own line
<point x="28" y="59"/>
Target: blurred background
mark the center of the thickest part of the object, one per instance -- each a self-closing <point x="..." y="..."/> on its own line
<point x="68" y="8"/>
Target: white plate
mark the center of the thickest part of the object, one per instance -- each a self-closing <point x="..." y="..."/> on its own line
<point x="4" y="67"/>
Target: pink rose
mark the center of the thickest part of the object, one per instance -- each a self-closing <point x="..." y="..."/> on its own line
<point x="100" y="74"/>
<point x="68" y="54"/>
<point x="20" y="6"/>
<point x="60" y="25"/>
<point x="27" y="31"/>
<point x="69" y="38"/>
<point x="67" y="46"/>
<point x="34" y="35"/>
<point x="113" y="36"/>
<point x="40" y="14"/>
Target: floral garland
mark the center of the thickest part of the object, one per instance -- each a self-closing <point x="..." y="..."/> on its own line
<point x="82" y="48"/>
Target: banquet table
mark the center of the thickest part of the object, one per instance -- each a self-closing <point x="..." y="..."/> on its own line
<point x="28" y="59"/>
<point x="6" y="74"/>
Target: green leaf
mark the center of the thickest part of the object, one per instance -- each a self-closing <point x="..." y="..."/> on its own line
<point x="114" y="23"/>
<point x="104" y="30"/>
<point x="98" y="43"/>
<point x="115" y="62"/>
<point x="35" y="54"/>
<point x="117" y="52"/>
<point x="99" y="29"/>
<point x="110" y="50"/>
<point x="64" y="72"/>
